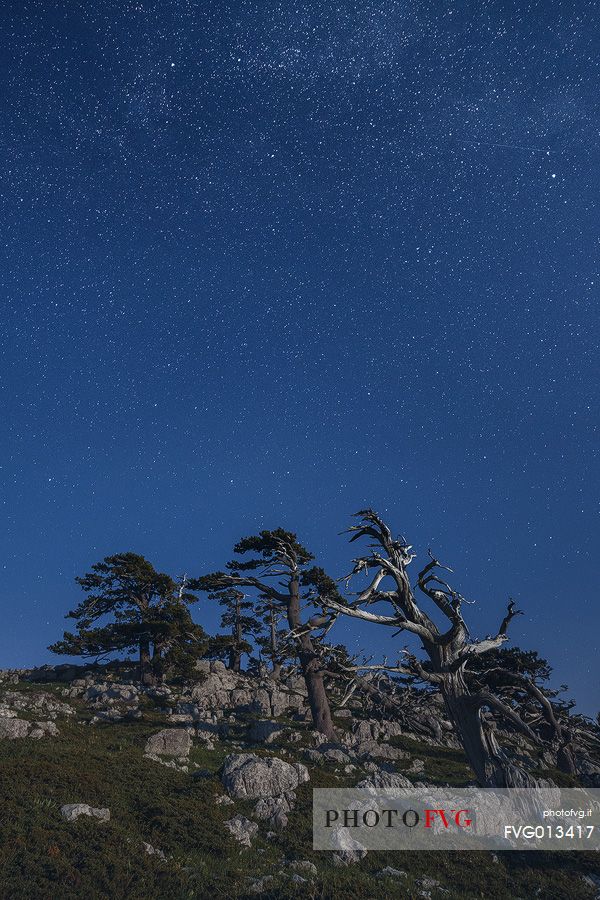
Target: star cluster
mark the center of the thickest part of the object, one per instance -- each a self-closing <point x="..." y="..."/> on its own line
<point x="268" y="262"/>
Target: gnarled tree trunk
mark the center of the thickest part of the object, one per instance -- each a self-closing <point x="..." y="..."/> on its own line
<point x="491" y="766"/>
<point x="311" y="666"/>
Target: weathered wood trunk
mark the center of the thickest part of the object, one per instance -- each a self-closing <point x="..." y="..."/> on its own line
<point x="491" y="766"/>
<point x="311" y="669"/>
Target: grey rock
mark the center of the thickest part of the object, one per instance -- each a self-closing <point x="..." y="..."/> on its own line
<point x="315" y="757"/>
<point x="152" y="851"/>
<point x="241" y="698"/>
<point x="303" y="865"/>
<point x="242" y="829"/>
<point x="43" y="729"/>
<point x="382" y="779"/>
<point x="365" y="730"/>
<point x="332" y="754"/>
<point x="374" y="750"/>
<point x="111" y="692"/>
<point x="11" y="729"/>
<point x="348" y="850"/>
<point x="218" y="667"/>
<point x="251" y="777"/>
<point x="72" y="811"/>
<point x="40" y="702"/>
<point x="261" y="703"/>
<point x="390" y="872"/>
<point x="273" y="810"/>
<point x="169" y="742"/>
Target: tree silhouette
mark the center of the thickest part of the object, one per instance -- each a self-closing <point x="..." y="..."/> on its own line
<point x="277" y="555"/>
<point x="449" y="652"/>
<point x="148" y="611"/>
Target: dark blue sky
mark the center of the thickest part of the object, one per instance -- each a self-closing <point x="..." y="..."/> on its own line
<point x="266" y="263"/>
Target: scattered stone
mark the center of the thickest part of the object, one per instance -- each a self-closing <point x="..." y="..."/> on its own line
<point x="274" y="810"/>
<point x="111" y="692"/>
<point x="315" y="757"/>
<point x="303" y="865"/>
<point x="381" y="779"/>
<point x="390" y="872"/>
<point x="348" y="849"/>
<point x="374" y="750"/>
<point x="429" y="884"/>
<point x="11" y="729"/>
<point x="242" y="829"/>
<point x="152" y="851"/>
<point x="246" y="776"/>
<point x="40" y="702"/>
<point x="72" y="811"/>
<point x="223" y="800"/>
<point x="260" y="885"/>
<point x="169" y="742"/>
<point x="43" y="729"/>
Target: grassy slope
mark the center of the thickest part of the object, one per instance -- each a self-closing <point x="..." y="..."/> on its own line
<point x="42" y="856"/>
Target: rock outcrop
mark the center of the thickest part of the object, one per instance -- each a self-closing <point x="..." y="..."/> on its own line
<point x="249" y="777"/>
<point x="174" y="742"/>
<point x="242" y="829"/>
<point x="72" y="811"/>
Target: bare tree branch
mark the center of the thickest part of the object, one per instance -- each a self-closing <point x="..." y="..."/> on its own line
<point x="485" y="698"/>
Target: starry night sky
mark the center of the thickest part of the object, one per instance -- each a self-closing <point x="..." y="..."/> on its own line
<point x="265" y="263"/>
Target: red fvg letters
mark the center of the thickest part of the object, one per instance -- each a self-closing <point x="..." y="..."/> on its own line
<point x="430" y="815"/>
<point x="460" y="817"/>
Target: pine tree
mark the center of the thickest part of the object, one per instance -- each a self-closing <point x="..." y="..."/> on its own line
<point x="148" y="611"/>
<point x="279" y="555"/>
<point x="238" y="622"/>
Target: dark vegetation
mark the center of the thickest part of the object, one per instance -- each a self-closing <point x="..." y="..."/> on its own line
<point x="42" y="857"/>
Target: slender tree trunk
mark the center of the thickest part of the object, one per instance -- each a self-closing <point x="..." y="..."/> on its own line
<point x="235" y="659"/>
<point x="310" y="663"/>
<point x="276" y="671"/>
<point x="491" y="766"/>
<point x="146" y="676"/>
<point x="277" y="665"/>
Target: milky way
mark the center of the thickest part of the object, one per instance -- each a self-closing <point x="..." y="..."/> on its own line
<point x="265" y="263"/>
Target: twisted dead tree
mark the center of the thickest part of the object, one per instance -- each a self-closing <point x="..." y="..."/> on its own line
<point x="448" y="651"/>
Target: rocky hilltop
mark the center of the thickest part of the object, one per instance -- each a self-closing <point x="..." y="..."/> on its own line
<point x="203" y="789"/>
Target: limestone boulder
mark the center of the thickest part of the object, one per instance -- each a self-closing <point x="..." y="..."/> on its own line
<point x="246" y="776"/>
